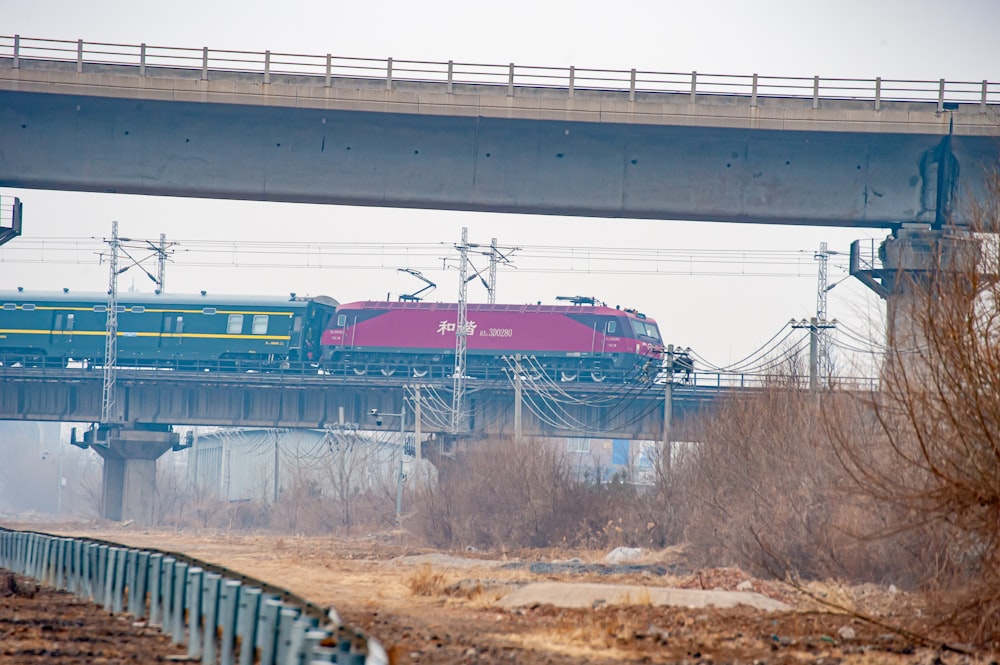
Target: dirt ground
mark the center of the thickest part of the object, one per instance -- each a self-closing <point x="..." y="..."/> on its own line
<point x="438" y="607"/>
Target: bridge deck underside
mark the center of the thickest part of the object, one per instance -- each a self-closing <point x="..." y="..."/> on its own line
<point x="256" y="152"/>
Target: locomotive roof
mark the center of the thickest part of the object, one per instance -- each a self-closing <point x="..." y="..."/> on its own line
<point x="497" y="307"/>
<point x="160" y="298"/>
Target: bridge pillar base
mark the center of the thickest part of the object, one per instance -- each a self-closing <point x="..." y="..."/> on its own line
<point x="128" y="487"/>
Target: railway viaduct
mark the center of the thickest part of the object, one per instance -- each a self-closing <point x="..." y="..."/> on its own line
<point x="905" y="156"/>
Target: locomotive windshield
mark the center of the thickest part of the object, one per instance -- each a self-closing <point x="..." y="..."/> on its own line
<point x="645" y="329"/>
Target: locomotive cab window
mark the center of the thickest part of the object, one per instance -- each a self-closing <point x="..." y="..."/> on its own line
<point x="259" y="324"/>
<point x="611" y="327"/>
<point x="341" y="320"/>
<point x="644" y="329"/>
<point x="235" y="324"/>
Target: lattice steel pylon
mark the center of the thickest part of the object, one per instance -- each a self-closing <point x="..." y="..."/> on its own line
<point x="461" y="322"/>
<point x="108" y="393"/>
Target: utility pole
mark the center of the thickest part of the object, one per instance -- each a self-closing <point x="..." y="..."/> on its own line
<point x="108" y="395"/>
<point x="815" y="326"/>
<point x="417" y="434"/>
<point x="494" y="259"/>
<point x="161" y="264"/>
<point x="517" y="398"/>
<point x="461" y="322"/>
<point x="668" y="408"/>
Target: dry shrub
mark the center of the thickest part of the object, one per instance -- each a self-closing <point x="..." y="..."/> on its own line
<point x="501" y="493"/>
<point x="426" y="582"/>
<point x="764" y="489"/>
<point x="931" y="444"/>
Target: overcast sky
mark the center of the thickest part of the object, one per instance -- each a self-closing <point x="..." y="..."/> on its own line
<point x="722" y="317"/>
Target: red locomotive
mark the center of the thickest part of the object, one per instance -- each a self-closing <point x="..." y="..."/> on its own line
<point x="569" y="342"/>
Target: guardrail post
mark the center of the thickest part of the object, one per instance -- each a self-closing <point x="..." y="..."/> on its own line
<point x="451" y="76"/>
<point x="267" y="630"/>
<point x="79" y="56"/>
<point x="141" y="584"/>
<point x="155" y="589"/>
<point x="267" y="67"/>
<point x="286" y="621"/>
<point x="228" y="605"/>
<point x="878" y="93"/>
<point x="204" y="63"/>
<point x="142" y="59"/>
<point x="631" y="86"/>
<point x="297" y="640"/>
<point x="753" y="92"/>
<point x="982" y="98"/>
<point x="108" y="578"/>
<point x="940" y="107"/>
<point x="694" y="87"/>
<point x="388" y="74"/>
<point x="90" y="571"/>
<point x="167" y="594"/>
<point x="510" y="80"/>
<point x="313" y="651"/>
<point x="131" y="561"/>
<point x="816" y="92"/>
<point x="246" y="627"/>
<point x="59" y="574"/>
<point x="194" y="609"/>
<point x="572" y="80"/>
<point x="210" y="612"/>
<point x="17" y="51"/>
<point x="119" y="592"/>
<point x="76" y="565"/>
<point x="177" y="611"/>
<point x="329" y="66"/>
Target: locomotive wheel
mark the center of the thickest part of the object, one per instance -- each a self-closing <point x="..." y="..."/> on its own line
<point x="568" y="376"/>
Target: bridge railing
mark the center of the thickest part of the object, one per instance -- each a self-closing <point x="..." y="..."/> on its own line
<point x="325" y="69"/>
<point x="251" y="372"/>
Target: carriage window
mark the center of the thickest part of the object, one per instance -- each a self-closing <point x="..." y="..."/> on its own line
<point x="180" y="325"/>
<point x="341" y="320"/>
<point x="8" y="306"/>
<point x="28" y="307"/>
<point x="611" y="327"/>
<point x="259" y="324"/>
<point x="119" y="308"/>
<point x="100" y="308"/>
<point x="138" y="309"/>
<point x="235" y="324"/>
<point x="209" y="310"/>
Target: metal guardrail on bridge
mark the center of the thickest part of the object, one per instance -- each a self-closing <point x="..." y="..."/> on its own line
<point x="303" y="374"/>
<point x="221" y="615"/>
<point x="327" y="68"/>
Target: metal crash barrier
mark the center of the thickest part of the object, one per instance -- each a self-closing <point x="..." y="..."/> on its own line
<point x="223" y="617"/>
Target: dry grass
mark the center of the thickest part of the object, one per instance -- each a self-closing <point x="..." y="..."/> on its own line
<point x="425" y="581"/>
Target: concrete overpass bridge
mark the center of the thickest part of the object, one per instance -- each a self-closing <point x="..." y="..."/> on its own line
<point x="638" y="144"/>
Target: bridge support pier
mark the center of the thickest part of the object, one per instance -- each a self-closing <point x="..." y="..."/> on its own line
<point x="901" y="271"/>
<point x="128" y="487"/>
